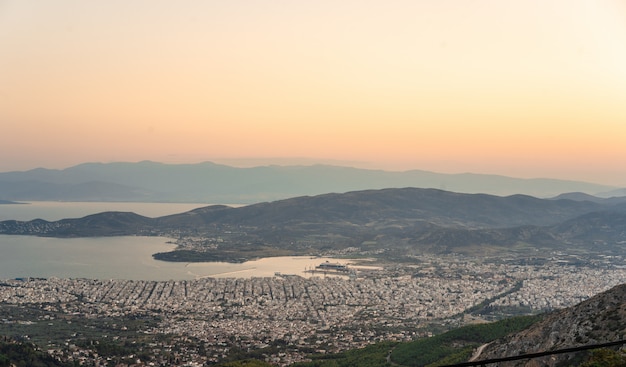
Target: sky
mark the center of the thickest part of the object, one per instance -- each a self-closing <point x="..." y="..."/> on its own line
<point x="533" y="88"/>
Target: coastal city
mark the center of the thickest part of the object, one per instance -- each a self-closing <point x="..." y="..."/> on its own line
<point x="328" y="312"/>
<point x="312" y="183"/>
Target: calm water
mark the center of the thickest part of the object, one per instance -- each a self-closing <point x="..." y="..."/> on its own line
<point x="117" y="257"/>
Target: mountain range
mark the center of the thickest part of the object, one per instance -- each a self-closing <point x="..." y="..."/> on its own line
<point x="397" y="222"/>
<point x="213" y="183"/>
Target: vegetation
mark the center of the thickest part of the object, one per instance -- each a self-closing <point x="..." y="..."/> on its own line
<point x="605" y="358"/>
<point x="245" y="363"/>
<point x="52" y="327"/>
<point x="19" y="354"/>
<point x="451" y="347"/>
<point x="375" y="355"/>
<point x="456" y="345"/>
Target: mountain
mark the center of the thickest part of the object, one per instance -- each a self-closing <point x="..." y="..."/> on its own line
<point x="213" y="183"/>
<point x="613" y="193"/>
<point x="581" y="196"/>
<point x="600" y="319"/>
<point x="399" y="206"/>
<point x="399" y="222"/>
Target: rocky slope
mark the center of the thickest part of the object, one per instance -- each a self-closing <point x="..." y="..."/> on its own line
<point x="600" y="319"/>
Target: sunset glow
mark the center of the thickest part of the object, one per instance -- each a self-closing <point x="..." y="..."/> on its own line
<point x="525" y="89"/>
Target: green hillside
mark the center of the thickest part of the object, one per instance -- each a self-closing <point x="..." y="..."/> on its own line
<point x="375" y="355"/>
<point x="457" y="345"/>
<point x="18" y="354"/>
<point x="451" y="347"/>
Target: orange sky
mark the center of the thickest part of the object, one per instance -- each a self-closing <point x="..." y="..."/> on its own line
<point x="530" y="88"/>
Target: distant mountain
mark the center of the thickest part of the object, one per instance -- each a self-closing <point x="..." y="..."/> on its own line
<point x="400" y="221"/>
<point x="212" y="183"/>
<point x="621" y="192"/>
<point x="581" y="196"/>
<point x="600" y="319"/>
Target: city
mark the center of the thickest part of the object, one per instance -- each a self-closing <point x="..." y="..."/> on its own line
<point x="321" y="314"/>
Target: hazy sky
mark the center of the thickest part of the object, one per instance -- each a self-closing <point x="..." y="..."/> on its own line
<point x="528" y="88"/>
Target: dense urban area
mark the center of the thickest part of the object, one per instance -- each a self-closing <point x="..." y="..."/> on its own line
<point x="285" y="318"/>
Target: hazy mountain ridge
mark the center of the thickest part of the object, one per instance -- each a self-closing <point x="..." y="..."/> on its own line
<point x="599" y="319"/>
<point x="406" y="221"/>
<point x="581" y="196"/>
<point x="214" y="183"/>
<point x="405" y="204"/>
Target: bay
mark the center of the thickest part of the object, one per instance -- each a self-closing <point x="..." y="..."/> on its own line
<point x="94" y="258"/>
<point x="128" y="257"/>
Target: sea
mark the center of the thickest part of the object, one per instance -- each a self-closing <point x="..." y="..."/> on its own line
<point x="126" y="257"/>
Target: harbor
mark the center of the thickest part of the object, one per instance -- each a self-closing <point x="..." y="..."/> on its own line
<point x="331" y="268"/>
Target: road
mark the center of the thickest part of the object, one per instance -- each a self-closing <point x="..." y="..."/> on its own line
<point x="478" y="352"/>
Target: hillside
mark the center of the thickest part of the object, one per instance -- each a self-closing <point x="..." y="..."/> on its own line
<point x="371" y="207"/>
<point x="19" y="353"/>
<point x="213" y="183"/>
<point x="599" y="319"/>
<point x="458" y="344"/>
<point x="396" y="222"/>
<point x="608" y="198"/>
